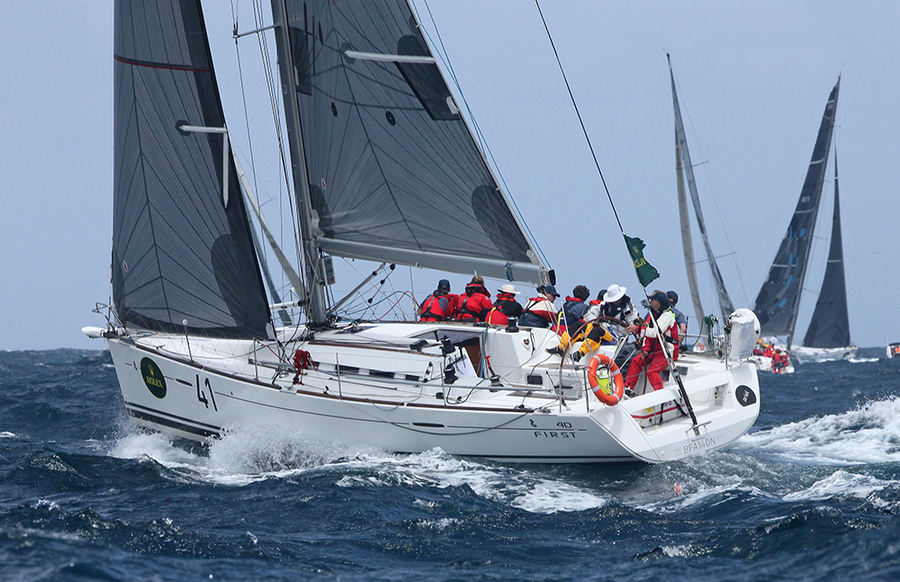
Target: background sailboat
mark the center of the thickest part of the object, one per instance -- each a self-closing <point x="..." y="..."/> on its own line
<point x="828" y="335"/>
<point x="684" y="171"/>
<point x="778" y="301"/>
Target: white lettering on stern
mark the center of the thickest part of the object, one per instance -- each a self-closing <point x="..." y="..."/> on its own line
<point x="699" y="444"/>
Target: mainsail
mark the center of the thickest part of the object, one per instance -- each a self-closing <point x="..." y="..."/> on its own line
<point x="182" y="258"/>
<point x="393" y="171"/>
<point x="778" y="300"/>
<point x="830" y="325"/>
<point x="685" y="173"/>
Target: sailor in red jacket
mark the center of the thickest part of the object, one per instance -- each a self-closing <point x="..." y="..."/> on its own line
<point x="440" y="305"/>
<point x="652" y="356"/>
<point x="475" y="303"/>
<point x="505" y="306"/>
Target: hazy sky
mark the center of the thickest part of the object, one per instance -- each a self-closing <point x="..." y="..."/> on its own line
<point x="753" y="79"/>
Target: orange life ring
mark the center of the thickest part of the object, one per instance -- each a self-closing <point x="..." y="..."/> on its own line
<point x="602" y="396"/>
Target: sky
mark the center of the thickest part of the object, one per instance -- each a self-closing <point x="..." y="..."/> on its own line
<point x="753" y="79"/>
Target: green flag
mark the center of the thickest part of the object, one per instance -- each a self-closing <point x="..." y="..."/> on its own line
<point x="645" y="271"/>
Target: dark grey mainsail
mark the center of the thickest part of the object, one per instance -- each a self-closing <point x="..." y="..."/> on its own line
<point x="393" y="171"/>
<point x="181" y="242"/>
<point x="830" y="325"/>
<point x="685" y="173"/>
<point x="778" y="300"/>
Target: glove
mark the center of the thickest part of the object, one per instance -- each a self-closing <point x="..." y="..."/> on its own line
<point x="576" y="356"/>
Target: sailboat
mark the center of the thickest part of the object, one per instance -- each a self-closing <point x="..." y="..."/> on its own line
<point x="384" y="167"/>
<point x="778" y="302"/>
<point x="828" y="334"/>
<point x="684" y="171"/>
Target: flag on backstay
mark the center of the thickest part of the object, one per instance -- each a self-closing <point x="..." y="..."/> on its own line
<point x="645" y="271"/>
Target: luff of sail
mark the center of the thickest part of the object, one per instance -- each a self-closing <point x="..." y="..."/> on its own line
<point x="182" y="250"/>
<point x="685" y="173"/>
<point x="778" y="300"/>
<point x="830" y="324"/>
<point x="394" y="172"/>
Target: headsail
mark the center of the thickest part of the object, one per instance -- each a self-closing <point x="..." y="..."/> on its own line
<point x="830" y="325"/>
<point x="394" y="172"/>
<point x="685" y="172"/>
<point x="181" y="242"/>
<point x="778" y="300"/>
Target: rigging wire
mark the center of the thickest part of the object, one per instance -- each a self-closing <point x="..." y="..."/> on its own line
<point x="265" y="55"/>
<point x="580" y="120"/>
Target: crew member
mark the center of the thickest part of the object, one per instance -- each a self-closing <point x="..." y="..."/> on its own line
<point x="475" y="303"/>
<point x="540" y="311"/>
<point x="571" y="320"/>
<point x="505" y="306"/>
<point x="440" y="305"/>
<point x="652" y="356"/>
<point x="680" y="319"/>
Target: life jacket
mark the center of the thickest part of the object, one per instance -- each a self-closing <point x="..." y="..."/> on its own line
<point x="435" y="308"/>
<point x="539" y="312"/>
<point x="651" y="343"/>
<point x="474" y="304"/>
<point x="505" y="307"/>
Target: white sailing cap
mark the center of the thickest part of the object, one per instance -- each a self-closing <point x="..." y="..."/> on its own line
<point x="508" y="289"/>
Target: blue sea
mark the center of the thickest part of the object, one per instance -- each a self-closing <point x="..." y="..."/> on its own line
<point x="811" y="493"/>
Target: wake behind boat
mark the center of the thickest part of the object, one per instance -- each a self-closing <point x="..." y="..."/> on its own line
<point x="384" y="167"/>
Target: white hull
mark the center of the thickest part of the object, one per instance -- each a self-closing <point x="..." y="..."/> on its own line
<point x="805" y="355"/>
<point x="764" y="364"/>
<point x="372" y="388"/>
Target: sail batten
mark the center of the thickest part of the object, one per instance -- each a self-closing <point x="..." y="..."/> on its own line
<point x="778" y="300"/>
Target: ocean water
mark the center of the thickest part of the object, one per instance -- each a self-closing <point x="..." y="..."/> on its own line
<point x="811" y="493"/>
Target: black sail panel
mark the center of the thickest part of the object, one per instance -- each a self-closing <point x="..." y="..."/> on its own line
<point x="830" y="325"/>
<point x="390" y="159"/>
<point x="779" y="298"/>
<point x="180" y="251"/>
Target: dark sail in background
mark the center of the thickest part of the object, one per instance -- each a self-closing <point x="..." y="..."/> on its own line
<point x="394" y="173"/>
<point x="830" y="325"/>
<point x="778" y="300"/>
<point x="179" y="253"/>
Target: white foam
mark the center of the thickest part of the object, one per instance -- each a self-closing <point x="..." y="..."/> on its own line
<point x="865" y="435"/>
<point x="7" y="435"/>
<point x="862" y="360"/>
<point x="249" y="454"/>
<point x="842" y="484"/>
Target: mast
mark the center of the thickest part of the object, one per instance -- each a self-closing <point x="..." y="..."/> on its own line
<point x="311" y="255"/>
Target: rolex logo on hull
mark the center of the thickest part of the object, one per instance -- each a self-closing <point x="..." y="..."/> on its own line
<point x="153" y="378"/>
